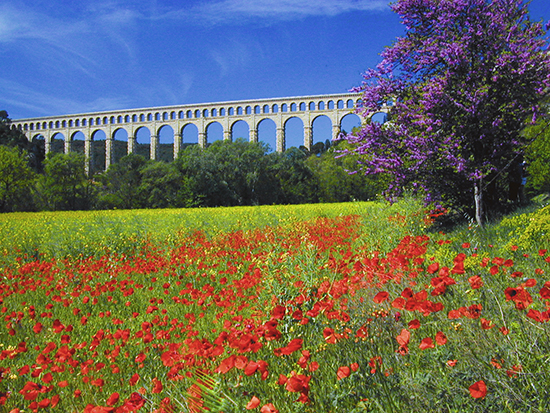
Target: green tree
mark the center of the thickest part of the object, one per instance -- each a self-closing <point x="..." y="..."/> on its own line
<point x="537" y="155"/>
<point x="160" y="185"/>
<point x="64" y="185"/>
<point x="121" y="182"/>
<point x="227" y="173"/>
<point x="16" y="179"/>
<point x="12" y="137"/>
<point x="298" y="184"/>
<point x="337" y="179"/>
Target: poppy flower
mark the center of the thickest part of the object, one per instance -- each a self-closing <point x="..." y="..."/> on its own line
<point x="253" y="403"/>
<point x="298" y="383"/>
<point x="403" y="338"/>
<point x="478" y="390"/>
<point x="475" y="282"/>
<point x="157" y="386"/>
<point x="329" y="335"/>
<point x="113" y="399"/>
<point x="278" y="312"/>
<point x="440" y="338"/>
<point x="413" y="324"/>
<point x="294" y="345"/>
<point x="426" y="344"/>
<point x="343" y="372"/>
<point x="380" y="297"/>
<point x="44" y="403"/>
<point x="134" y="379"/>
<point x="486" y="324"/>
<point x="268" y="408"/>
<point x="314" y="366"/>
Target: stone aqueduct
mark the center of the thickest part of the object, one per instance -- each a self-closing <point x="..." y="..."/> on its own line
<point x="280" y="110"/>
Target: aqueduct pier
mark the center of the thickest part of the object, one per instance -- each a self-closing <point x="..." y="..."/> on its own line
<point x="227" y="114"/>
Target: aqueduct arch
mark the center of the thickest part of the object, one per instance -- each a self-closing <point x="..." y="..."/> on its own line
<point x="179" y="118"/>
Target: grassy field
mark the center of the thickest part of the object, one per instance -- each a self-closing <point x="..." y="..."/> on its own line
<point x="357" y="307"/>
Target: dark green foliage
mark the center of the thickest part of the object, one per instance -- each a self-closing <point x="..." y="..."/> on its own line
<point x="64" y="185"/>
<point x="14" y="138"/>
<point x="16" y="179"/>
<point x="336" y="181"/>
<point x="160" y="185"/>
<point x="121" y="184"/>
<point x="537" y="155"/>
<point x="227" y="174"/>
<point x="297" y="181"/>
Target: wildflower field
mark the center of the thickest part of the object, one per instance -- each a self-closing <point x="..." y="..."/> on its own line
<point x="358" y="307"/>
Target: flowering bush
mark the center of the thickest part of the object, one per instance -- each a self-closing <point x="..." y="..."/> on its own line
<point x="462" y="81"/>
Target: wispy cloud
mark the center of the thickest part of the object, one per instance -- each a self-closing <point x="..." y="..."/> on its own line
<point x="80" y="37"/>
<point x="266" y="12"/>
<point x="230" y="10"/>
<point x="24" y="98"/>
<point x="233" y="56"/>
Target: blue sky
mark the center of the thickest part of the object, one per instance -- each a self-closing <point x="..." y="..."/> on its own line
<point x="62" y="57"/>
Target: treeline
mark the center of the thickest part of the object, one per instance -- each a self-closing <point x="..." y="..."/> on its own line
<point x="223" y="174"/>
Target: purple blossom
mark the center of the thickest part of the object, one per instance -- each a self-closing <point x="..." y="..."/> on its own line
<point x="465" y="77"/>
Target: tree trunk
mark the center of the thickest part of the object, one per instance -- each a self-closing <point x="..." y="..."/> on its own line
<point x="478" y="199"/>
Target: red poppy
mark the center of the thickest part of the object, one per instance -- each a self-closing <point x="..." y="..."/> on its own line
<point x="268" y="408"/>
<point x="113" y="399"/>
<point x="294" y="345"/>
<point x="278" y="312"/>
<point x="330" y="336"/>
<point x="134" y="379"/>
<point x="440" y="338"/>
<point x="313" y="366"/>
<point x="478" y="390"/>
<point x="298" y="383"/>
<point x="37" y="328"/>
<point x="519" y="296"/>
<point x="475" y="282"/>
<point x="432" y="268"/>
<point x="545" y="291"/>
<point x="253" y="403"/>
<point x="426" y="344"/>
<point x="98" y="382"/>
<point x="486" y="324"/>
<point x="414" y="324"/>
<point x="44" y="403"/>
<point x="157" y="386"/>
<point x="282" y="379"/>
<point x="343" y="372"/>
<point x="403" y="338"/>
<point x="241" y="362"/>
<point x="133" y="403"/>
<point x="380" y="297"/>
<point x="226" y="365"/>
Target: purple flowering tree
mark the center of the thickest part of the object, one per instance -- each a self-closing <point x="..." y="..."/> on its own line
<point x="464" y="80"/>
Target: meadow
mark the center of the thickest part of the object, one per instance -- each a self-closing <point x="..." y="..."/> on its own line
<point x="357" y="307"/>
